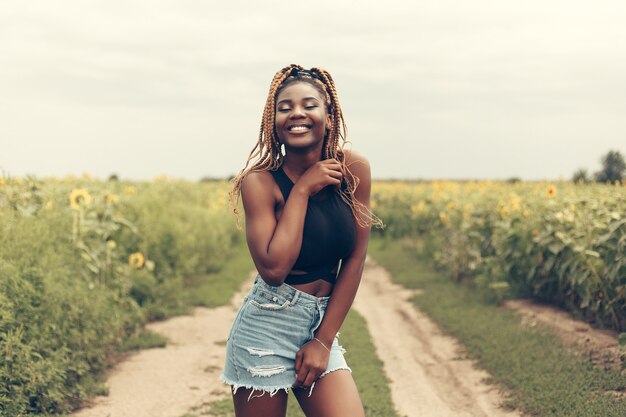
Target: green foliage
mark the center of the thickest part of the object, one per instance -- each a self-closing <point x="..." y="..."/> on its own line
<point x="613" y="167"/>
<point x="70" y="297"/>
<point x="580" y="176"/>
<point x="564" y="244"/>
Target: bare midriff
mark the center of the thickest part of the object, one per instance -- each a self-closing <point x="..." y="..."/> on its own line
<point x="318" y="288"/>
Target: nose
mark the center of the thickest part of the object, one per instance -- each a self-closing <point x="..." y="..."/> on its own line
<point x="297" y="112"/>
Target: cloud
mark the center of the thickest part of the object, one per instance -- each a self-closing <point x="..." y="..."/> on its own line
<point x="439" y="80"/>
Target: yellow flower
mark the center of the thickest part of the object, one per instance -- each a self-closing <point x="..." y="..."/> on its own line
<point x="136" y="260"/>
<point x="130" y="190"/>
<point x="111" y="244"/>
<point x="112" y="199"/>
<point x="49" y="204"/>
<point x="535" y="232"/>
<point x="2" y="182"/>
<point x="443" y="218"/>
<point x="418" y="208"/>
<point x="525" y="213"/>
<point x="373" y="204"/>
<point x="551" y="191"/>
<point x="78" y="197"/>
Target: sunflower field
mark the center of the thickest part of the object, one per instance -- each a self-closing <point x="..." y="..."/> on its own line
<point x="562" y="243"/>
<point x="83" y="265"/>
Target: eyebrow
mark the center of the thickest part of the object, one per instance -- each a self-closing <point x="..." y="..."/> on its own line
<point x="304" y="99"/>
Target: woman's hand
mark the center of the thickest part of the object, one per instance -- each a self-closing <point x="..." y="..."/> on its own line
<point x="319" y="175"/>
<point x="311" y="362"/>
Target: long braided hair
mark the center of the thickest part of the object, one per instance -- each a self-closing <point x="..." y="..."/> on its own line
<point x="268" y="149"/>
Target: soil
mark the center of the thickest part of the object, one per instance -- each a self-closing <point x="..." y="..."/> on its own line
<point x="599" y="345"/>
<point x="429" y="373"/>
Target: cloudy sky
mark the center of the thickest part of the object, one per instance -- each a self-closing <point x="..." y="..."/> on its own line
<point x="430" y="89"/>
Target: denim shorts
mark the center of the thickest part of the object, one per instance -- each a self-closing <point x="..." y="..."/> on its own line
<point x="271" y="325"/>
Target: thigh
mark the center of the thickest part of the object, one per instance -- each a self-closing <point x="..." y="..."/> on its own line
<point x="334" y="395"/>
<point x="249" y="404"/>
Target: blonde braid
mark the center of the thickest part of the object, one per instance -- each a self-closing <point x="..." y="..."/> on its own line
<point x="267" y="148"/>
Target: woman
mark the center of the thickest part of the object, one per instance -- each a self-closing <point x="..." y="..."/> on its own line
<point x="306" y="202"/>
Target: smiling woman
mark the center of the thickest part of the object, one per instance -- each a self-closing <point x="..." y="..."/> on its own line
<point x="308" y="221"/>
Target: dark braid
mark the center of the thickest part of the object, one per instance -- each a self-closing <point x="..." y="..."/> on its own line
<point x="267" y="148"/>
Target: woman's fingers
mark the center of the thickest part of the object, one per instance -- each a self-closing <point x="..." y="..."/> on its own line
<point x="311" y="378"/>
<point x="301" y="374"/>
<point x="298" y="363"/>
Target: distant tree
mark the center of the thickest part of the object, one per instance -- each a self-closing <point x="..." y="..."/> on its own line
<point x="613" y="167"/>
<point x="113" y="177"/>
<point x="580" y="176"/>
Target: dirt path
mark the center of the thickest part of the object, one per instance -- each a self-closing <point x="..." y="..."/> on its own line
<point x="429" y="376"/>
<point x="170" y="381"/>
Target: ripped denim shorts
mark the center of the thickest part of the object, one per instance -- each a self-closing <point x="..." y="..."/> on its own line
<point x="271" y="325"/>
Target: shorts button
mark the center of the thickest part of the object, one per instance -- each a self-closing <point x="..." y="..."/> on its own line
<point x="275" y="299"/>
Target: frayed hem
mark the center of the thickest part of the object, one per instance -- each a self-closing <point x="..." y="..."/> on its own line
<point x="270" y="390"/>
<point x="346" y="368"/>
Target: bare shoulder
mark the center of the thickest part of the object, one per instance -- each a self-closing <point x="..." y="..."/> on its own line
<point x="257" y="190"/>
<point x="358" y="164"/>
<point x="255" y="180"/>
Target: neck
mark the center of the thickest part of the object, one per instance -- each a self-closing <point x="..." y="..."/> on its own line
<point x="298" y="161"/>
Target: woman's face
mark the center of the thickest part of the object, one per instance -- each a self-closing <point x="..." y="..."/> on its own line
<point x="301" y="117"/>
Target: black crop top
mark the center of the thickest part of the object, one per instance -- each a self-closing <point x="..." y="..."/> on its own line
<point x="329" y="233"/>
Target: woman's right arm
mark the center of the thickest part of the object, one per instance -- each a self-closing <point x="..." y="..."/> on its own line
<point x="274" y="246"/>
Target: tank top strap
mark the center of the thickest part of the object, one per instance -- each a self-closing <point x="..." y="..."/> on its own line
<point x="283" y="181"/>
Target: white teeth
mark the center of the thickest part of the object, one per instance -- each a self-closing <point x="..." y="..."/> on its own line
<point x="298" y="128"/>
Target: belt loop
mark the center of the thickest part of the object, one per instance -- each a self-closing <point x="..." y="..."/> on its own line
<point x="295" y="298"/>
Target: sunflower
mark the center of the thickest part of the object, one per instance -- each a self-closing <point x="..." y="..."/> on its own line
<point x="418" y="208"/>
<point x="130" y="190"/>
<point x="551" y="191"/>
<point x="112" y="199"/>
<point x="136" y="260"/>
<point x="79" y="197"/>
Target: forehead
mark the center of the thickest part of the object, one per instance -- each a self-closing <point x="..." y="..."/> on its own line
<point x="298" y="91"/>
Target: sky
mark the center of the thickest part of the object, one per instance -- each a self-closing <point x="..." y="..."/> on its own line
<point x="481" y="89"/>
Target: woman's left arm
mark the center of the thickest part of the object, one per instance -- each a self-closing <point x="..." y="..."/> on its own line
<point x="349" y="277"/>
<point x="312" y="358"/>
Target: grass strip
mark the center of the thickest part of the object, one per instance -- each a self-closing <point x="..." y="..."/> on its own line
<point x="216" y="289"/>
<point x="544" y="378"/>
<point x="367" y="370"/>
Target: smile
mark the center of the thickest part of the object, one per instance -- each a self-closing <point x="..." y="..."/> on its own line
<point x="299" y="128"/>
